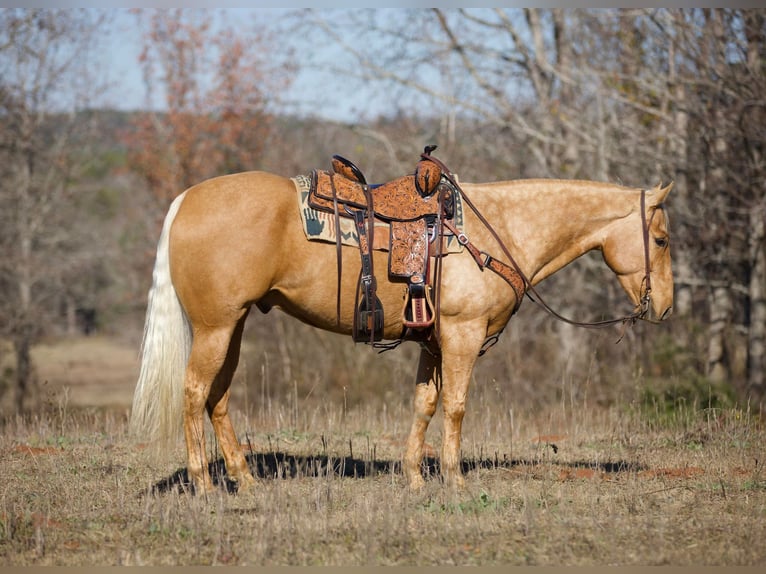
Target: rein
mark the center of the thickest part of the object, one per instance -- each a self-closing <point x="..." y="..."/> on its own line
<point x="644" y="304"/>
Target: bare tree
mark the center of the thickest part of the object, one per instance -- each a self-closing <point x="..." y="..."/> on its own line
<point x="723" y="80"/>
<point x="44" y="80"/>
<point x="218" y="89"/>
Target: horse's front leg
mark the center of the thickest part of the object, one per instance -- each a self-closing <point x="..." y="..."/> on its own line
<point x="426" y="396"/>
<point x="460" y="348"/>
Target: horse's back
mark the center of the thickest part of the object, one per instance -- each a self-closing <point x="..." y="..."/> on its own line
<point x="236" y="194"/>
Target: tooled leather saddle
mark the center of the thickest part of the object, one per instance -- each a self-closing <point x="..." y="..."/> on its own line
<point x="416" y="207"/>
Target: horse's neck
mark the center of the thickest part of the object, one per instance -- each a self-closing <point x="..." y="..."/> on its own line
<point x="550" y="223"/>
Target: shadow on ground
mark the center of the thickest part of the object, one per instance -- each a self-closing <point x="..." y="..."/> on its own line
<point x="280" y="466"/>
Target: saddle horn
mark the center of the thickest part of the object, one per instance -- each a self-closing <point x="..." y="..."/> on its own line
<point x="427" y="173"/>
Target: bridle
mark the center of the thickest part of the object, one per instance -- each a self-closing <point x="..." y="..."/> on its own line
<point x="643" y="308"/>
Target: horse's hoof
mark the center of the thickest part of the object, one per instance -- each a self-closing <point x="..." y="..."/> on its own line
<point x="245" y="485"/>
<point x="455" y="482"/>
<point x="203" y="489"/>
<point x="417" y="483"/>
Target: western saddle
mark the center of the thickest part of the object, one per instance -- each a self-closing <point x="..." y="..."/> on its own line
<point x="416" y="206"/>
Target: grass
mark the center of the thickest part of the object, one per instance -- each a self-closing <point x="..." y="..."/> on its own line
<point x="565" y="486"/>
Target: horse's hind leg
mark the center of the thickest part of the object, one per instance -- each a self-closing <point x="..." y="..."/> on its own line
<point x="426" y="397"/>
<point x="218" y="409"/>
<point x="209" y="352"/>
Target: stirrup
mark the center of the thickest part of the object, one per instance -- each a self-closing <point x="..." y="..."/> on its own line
<point x="369" y="321"/>
<point x="418" y="310"/>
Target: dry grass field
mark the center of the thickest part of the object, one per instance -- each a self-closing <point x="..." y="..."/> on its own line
<point x="572" y="485"/>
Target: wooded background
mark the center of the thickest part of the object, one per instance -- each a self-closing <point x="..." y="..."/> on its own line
<point x="634" y="96"/>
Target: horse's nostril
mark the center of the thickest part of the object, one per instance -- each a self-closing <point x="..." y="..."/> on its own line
<point x="668" y="312"/>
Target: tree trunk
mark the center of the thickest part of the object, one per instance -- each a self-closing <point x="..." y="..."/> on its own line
<point x="22" y="333"/>
<point x="22" y="346"/>
<point x="71" y="316"/>
<point x="564" y="62"/>
<point x="720" y="303"/>
<point x="678" y="147"/>
<point x="756" y="337"/>
<point x="718" y="362"/>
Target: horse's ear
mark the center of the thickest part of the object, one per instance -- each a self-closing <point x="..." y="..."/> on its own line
<point x="659" y="193"/>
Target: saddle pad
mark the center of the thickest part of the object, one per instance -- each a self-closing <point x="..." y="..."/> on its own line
<point x="319" y="226"/>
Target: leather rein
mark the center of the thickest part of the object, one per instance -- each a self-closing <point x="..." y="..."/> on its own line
<point x="642" y="310"/>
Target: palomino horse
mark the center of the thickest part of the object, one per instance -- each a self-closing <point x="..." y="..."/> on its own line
<point x="236" y="241"/>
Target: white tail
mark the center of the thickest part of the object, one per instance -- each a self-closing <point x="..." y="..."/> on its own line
<point x="158" y="399"/>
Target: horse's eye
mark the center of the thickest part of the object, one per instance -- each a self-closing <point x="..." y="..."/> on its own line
<point x="661" y="242"/>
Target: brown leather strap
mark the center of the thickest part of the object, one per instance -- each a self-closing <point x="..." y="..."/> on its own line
<point x="338" y="249"/>
<point x="484" y="260"/>
<point x="365" y="225"/>
<point x="437" y="262"/>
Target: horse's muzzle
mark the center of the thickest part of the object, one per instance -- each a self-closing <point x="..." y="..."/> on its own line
<point x="646" y="312"/>
<point x="650" y="316"/>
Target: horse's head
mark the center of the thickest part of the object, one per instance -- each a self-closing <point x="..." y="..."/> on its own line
<point x="638" y="251"/>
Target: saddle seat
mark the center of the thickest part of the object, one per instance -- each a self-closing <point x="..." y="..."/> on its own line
<point x="405" y="198"/>
<point x="413" y="205"/>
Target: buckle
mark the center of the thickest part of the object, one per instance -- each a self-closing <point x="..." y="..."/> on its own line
<point x="645" y="303"/>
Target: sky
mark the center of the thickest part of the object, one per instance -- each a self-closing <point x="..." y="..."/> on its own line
<point x="307" y="95"/>
<point x="118" y="58"/>
<point x="121" y="50"/>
